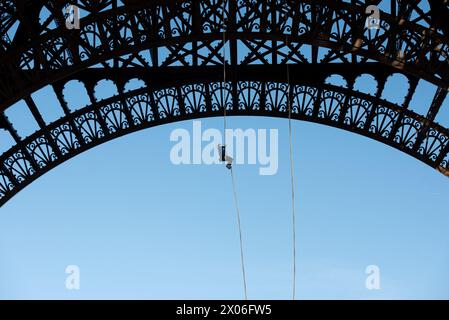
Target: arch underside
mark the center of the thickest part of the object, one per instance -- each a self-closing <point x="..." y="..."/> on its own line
<point x="176" y="48"/>
<point x="181" y="94"/>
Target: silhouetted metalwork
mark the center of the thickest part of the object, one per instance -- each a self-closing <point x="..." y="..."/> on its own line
<point x="175" y="48"/>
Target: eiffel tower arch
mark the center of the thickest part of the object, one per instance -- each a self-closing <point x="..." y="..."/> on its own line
<point x="173" y="51"/>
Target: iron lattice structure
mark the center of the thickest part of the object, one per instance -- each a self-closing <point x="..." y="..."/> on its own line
<point x="175" y="48"/>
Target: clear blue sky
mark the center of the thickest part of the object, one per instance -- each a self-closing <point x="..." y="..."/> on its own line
<point x="139" y="227"/>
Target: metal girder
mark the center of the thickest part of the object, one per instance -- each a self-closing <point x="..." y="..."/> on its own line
<point x="183" y="93"/>
<point x="176" y="48"/>
<point x="147" y="26"/>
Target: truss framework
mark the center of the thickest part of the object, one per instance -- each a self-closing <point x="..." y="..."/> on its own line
<point x="175" y="47"/>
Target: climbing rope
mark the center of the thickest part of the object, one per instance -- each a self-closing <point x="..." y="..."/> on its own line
<point x="224" y="157"/>
<point x="242" y="256"/>
<point x="292" y="171"/>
